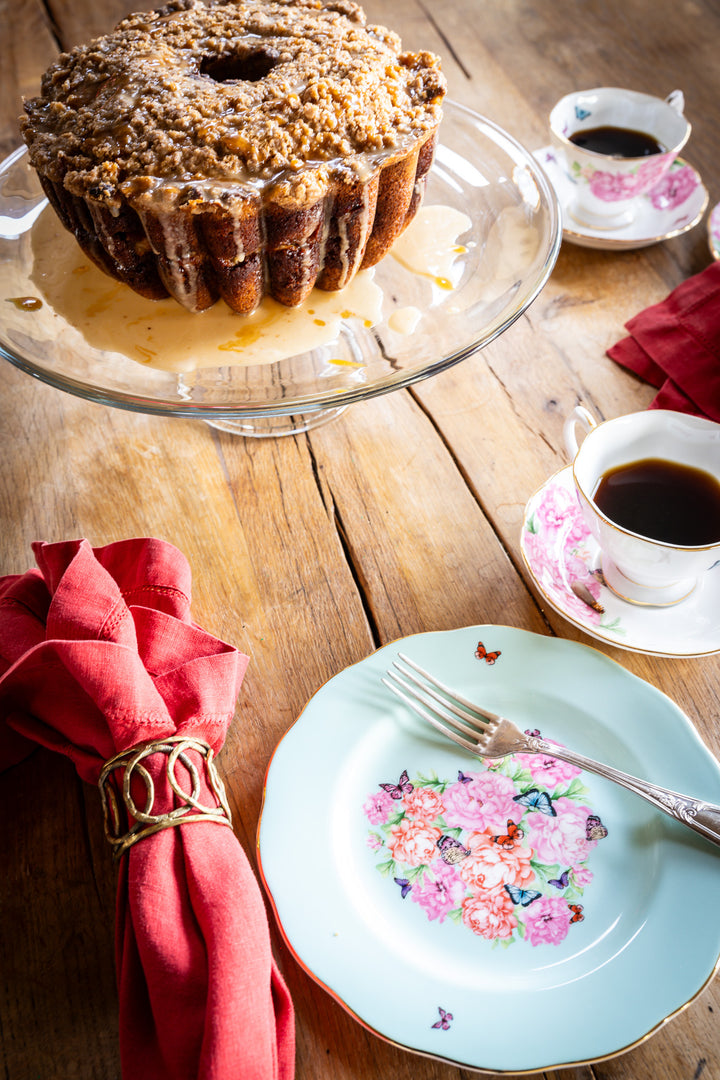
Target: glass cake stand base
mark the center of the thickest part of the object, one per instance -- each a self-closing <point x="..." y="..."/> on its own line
<point x="270" y="427"/>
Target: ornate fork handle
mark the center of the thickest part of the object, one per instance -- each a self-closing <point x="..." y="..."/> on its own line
<point x="701" y="816"/>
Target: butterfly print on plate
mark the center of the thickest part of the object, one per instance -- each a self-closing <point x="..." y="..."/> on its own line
<point x="482" y="654"/>
<point x="403" y="787"/>
<point x="444" y="1021"/>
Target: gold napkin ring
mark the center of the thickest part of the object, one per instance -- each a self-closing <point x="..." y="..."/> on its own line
<point x="145" y="822"/>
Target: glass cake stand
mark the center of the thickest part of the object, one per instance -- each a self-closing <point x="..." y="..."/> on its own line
<point x="508" y="240"/>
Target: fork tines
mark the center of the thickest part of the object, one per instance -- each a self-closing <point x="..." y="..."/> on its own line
<point x="456" y="717"/>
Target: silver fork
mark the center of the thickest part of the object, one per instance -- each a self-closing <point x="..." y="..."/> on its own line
<point x="487" y="735"/>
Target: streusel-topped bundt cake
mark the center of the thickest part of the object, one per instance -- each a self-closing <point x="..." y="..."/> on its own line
<point x="237" y="147"/>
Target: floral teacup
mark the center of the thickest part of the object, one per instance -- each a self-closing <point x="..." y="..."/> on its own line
<point x="638" y="568"/>
<point x="607" y="187"/>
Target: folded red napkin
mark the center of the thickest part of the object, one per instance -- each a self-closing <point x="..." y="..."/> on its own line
<point x="98" y="654"/>
<point x="675" y="346"/>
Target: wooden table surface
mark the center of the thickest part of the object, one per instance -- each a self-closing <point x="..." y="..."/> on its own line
<point x="310" y="551"/>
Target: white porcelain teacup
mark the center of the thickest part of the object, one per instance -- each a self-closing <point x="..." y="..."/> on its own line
<point x="607" y="187"/>
<point x="636" y="567"/>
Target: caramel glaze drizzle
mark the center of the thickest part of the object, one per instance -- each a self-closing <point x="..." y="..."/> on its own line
<point x="25" y="303"/>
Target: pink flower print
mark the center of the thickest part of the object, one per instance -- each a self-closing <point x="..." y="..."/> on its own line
<point x="537" y="548"/>
<point x="423" y="803"/>
<point x="486" y="802"/>
<point x="491" y="865"/>
<point x="560" y="839"/>
<point x="547" y="921"/>
<point x="581" y="876"/>
<point x="578" y="532"/>
<point x="555" y="575"/>
<point x="377" y="807"/>
<point x="490" y="914"/>
<point x="576" y="564"/>
<point x="652" y="171"/>
<point x="440" y="891"/>
<point x="674" y="188"/>
<point x="548" y="569"/>
<point x="611" y="187"/>
<point x="558" y="505"/>
<point x="549" y="771"/>
<point x="473" y="852"/>
<point x="413" y="842"/>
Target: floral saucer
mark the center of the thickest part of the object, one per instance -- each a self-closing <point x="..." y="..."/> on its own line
<point x="565" y="562"/>
<point x="714" y="231"/>
<point x="675" y="205"/>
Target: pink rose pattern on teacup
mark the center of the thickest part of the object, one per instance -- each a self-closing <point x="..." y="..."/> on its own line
<point x="675" y="188"/>
<point x="502" y="851"/>
<point x="557" y="542"/>
<point x="610" y="187"/>
<point x="666" y="189"/>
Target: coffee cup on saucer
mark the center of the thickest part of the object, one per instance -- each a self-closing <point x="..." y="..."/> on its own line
<point x="648" y="485"/>
<point x="616" y="145"/>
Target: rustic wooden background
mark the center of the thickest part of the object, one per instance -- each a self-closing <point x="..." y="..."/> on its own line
<point x="310" y="551"/>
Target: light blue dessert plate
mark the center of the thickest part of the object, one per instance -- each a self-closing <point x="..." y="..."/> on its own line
<point x="625" y="928"/>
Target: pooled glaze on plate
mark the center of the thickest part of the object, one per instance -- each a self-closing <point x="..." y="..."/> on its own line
<point x="70" y="292"/>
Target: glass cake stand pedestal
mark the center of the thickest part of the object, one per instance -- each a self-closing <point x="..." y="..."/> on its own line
<point x="412" y="321"/>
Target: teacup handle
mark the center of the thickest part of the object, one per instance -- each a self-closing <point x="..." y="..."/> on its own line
<point x="676" y="101"/>
<point x="579" y="415"/>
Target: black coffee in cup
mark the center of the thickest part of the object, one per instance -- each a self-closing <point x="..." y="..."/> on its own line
<point x="617" y="142"/>
<point x="663" y="500"/>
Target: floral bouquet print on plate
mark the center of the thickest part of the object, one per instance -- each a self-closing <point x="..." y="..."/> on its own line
<point x="502" y="851"/>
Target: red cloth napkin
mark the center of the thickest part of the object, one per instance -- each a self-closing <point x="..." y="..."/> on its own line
<point x="675" y="345"/>
<point x="97" y="654"/>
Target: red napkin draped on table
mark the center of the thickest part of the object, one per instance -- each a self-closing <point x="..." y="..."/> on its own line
<point x="98" y="654"/>
<point x="675" y="345"/>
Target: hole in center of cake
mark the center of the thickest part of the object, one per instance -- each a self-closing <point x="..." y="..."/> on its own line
<point x="237" y="66"/>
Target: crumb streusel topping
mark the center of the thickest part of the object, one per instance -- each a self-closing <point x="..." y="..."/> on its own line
<point x="280" y="93"/>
